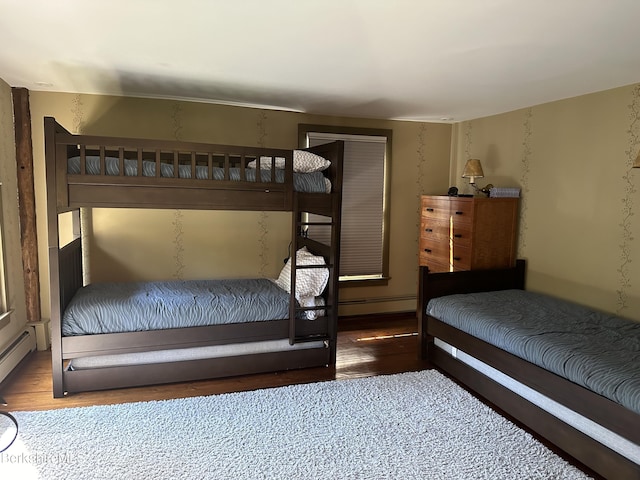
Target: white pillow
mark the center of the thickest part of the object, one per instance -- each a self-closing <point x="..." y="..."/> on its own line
<point x="310" y="282"/>
<point x="313" y="302"/>
<point x="307" y="162"/>
<point x="303" y="162"/>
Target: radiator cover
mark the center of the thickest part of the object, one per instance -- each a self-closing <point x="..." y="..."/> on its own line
<point x="15" y="350"/>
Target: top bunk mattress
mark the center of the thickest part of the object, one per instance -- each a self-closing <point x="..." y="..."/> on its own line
<point x="594" y="349"/>
<point x="312" y="182"/>
<point x="142" y="306"/>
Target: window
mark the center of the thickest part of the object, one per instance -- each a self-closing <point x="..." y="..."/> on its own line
<point x="364" y="231"/>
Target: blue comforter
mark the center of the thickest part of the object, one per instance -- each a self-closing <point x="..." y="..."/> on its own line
<point x="596" y="350"/>
<point x="313" y="182"/>
<point x="140" y="306"/>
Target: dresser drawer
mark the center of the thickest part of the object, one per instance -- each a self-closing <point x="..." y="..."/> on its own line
<point x="461" y="211"/>
<point x="431" y="251"/>
<point x="462" y="234"/>
<point x="435" y="230"/>
<point x="434" y="208"/>
<point x="437" y="267"/>
<point x="461" y="257"/>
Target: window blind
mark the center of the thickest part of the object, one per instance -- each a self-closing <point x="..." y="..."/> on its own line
<point x="362" y="234"/>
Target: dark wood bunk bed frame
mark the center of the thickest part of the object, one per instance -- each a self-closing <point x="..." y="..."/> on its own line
<point x="587" y="450"/>
<point x="69" y="193"/>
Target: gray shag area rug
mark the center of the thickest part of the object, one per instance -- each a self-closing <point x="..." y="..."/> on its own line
<point x="410" y="425"/>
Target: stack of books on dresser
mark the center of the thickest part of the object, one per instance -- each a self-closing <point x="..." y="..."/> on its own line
<point x="504" y="192"/>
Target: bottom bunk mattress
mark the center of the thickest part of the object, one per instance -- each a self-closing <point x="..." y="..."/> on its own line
<point x="142" y="306"/>
<point x="596" y="350"/>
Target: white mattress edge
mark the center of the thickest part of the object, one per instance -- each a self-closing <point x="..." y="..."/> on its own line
<point x="585" y="425"/>
<point x="185" y="354"/>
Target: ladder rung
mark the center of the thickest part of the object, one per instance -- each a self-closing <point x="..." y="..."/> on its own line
<point x="329" y="265"/>
<point x="317" y="224"/>
<point x="318" y="307"/>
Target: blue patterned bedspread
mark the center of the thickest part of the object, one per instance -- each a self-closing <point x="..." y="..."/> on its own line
<point x="596" y="350"/>
<point x="141" y="306"/>
<point x="313" y="182"/>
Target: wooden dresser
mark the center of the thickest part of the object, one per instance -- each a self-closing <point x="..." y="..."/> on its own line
<point x="467" y="233"/>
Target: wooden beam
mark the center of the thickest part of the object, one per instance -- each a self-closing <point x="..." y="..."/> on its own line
<point x="27" y="202"/>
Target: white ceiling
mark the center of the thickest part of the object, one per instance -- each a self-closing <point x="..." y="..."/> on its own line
<point x="426" y="60"/>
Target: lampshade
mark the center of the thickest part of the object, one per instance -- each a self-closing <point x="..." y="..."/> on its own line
<point x="636" y="164"/>
<point x="472" y="169"/>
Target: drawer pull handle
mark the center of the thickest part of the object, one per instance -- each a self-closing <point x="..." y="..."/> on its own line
<point x="459" y="213"/>
<point x="428" y="250"/>
<point x="429" y="209"/>
<point x="430" y="230"/>
<point x="457" y="258"/>
<point x="458" y="235"/>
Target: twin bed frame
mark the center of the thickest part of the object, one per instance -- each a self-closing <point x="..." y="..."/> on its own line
<point x="612" y="416"/>
<point x="69" y="192"/>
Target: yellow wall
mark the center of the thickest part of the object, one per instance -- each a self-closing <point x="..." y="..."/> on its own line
<point x="579" y="224"/>
<point x="572" y="159"/>
<point x="10" y="217"/>
<point x="145" y="244"/>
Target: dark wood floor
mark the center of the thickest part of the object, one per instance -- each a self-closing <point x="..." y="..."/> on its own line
<point x="366" y="346"/>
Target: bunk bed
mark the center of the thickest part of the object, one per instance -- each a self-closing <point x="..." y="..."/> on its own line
<point x="87" y="171"/>
<point x="567" y="372"/>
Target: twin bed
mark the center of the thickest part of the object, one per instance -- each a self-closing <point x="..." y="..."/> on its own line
<point x="140" y="333"/>
<point x="570" y="373"/>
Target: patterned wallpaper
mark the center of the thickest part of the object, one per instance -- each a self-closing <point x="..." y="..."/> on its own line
<point x="629" y="189"/>
<point x="467" y="141"/>
<point x="176" y="126"/>
<point x="78" y="113"/>
<point x="421" y="157"/>
<point x="77" y="125"/>
<point x="525" y="165"/>
<point x="624" y="240"/>
<point x="263" y="221"/>
<point x="422" y="166"/>
<point x="178" y="215"/>
<point x="525" y="162"/>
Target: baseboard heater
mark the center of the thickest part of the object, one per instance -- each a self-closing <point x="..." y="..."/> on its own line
<point x="395" y="298"/>
<point x="15" y="351"/>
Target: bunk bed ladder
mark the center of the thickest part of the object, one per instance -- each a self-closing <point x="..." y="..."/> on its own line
<point x="330" y="252"/>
